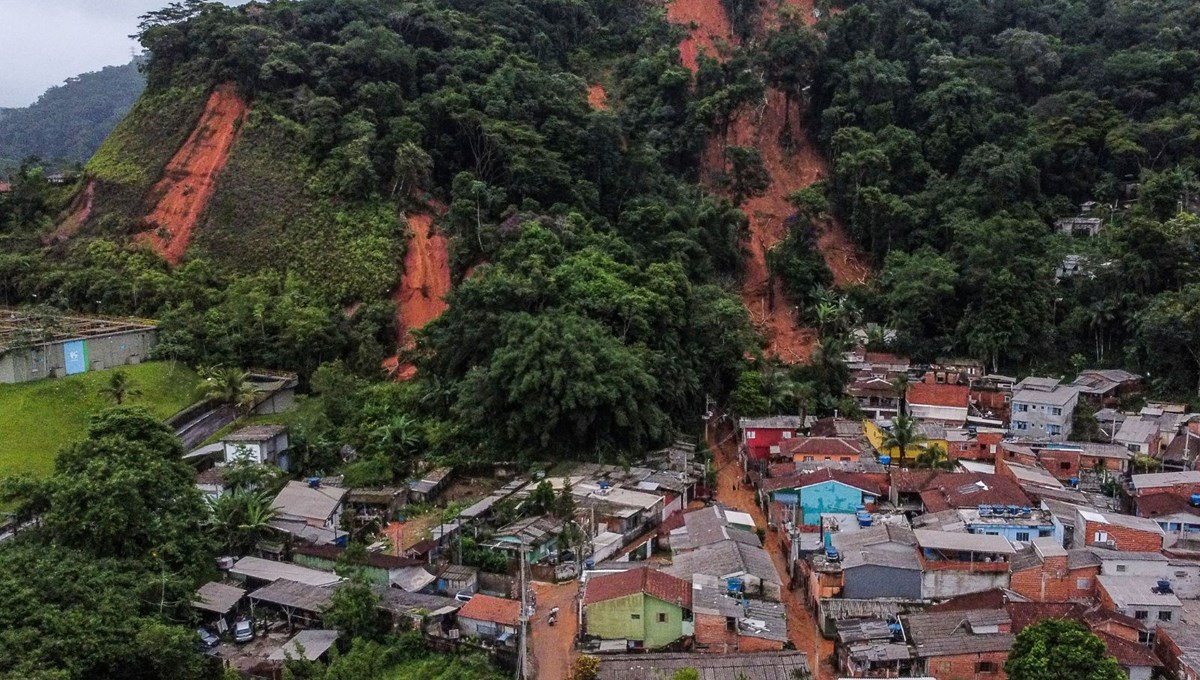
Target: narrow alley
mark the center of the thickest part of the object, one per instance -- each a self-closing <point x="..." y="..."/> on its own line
<point x="732" y="492"/>
<point x="553" y="647"/>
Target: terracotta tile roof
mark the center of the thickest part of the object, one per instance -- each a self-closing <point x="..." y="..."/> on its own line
<point x="1128" y="654"/>
<point x="1164" y="504"/>
<point x="495" y="609"/>
<point x="912" y="481"/>
<point x="1028" y="613"/>
<point x="781" y="469"/>
<point x="885" y="358"/>
<point x="821" y="446"/>
<point x="652" y="582"/>
<point x="854" y="479"/>
<point x="986" y="599"/>
<point x="925" y="394"/>
<point x="949" y="490"/>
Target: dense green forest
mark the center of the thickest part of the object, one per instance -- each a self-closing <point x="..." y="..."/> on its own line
<point x="960" y="132"/>
<point x="593" y="310"/>
<point x="68" y="122"/>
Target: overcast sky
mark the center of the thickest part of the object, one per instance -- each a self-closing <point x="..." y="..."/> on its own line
<point x="44" y="42"/>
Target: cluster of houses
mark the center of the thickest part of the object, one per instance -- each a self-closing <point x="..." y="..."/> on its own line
<point x="932" y="572"/>
<point x="288" y="581"/>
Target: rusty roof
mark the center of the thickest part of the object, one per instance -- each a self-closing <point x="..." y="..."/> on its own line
<point x="495" y="609"/>
<point x="805" y="479"/>
<point x="654" y="583"/>
<point x="831" y="446"/>
<point x="926" y="394"/>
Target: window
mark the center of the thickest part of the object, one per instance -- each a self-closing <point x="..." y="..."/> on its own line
<point x="1120" y="568"/>
<point x="1141" y="614"/>
<point x="844" y="459"/>
<point x="1056" y="411"/>
<point x="1100" y="537"/>
<point x="1065" y="465"/>
<point x="985" y="667"/>
<point x="730" y="624"/>
<point x="1021" y="408"/>
<point x="1022" y="535"/>
<point x="808" y="459"/>
<point x="1181" y="574"/>
<point x="1164" y="616"/>
<point x="1042" y="533"/>
<point x="636" y="617"/>
<point x="787" y="435"/>
<point x="1053" y="429"/>
<point x="662" y="618"/>
<point x="1020" y="425"/>
<point x="1146" y="637"/>
<point x="1083" y="584"/>
<point x="750" y="434"/>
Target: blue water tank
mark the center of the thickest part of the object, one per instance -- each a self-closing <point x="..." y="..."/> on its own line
<point x="885" y="460"/>
<point x="735" y="585"/>
<point x="860" y="508"/>
<point x="832" y="554"/>
<point x="864" y="520"/>
<point x="1196" y="499"/>
<point x="313" y="482"/>
<point x="1074" y="481"/>
<point x="589" y="564"/>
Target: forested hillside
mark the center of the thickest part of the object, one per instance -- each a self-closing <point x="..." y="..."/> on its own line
<point x="960" y="132"/>
<point x="67" y="124"/>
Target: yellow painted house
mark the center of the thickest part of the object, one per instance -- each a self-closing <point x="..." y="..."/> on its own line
<point x="934" y="435"/>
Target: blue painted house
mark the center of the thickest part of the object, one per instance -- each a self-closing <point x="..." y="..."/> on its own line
<point x="821" y="492"/>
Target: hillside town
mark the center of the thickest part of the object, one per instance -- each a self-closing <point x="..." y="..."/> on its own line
<point x="915" y="541"/>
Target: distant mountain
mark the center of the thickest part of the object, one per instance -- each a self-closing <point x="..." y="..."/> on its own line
<point x="68" y="122"/>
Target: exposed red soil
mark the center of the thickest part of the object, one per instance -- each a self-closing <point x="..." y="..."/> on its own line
<point x="762" y="127"/>
<point x="709" y="25"/>
<point x="597" y="97"/>
<point x="733" y="492"/>
<point x="552" y="648"/>
<point x="191" y="177"/>
<point x="421" y="296"/>
<point x="80" y="211"/>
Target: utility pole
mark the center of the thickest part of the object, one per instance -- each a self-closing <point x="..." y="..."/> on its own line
<point x="523" y="619"/>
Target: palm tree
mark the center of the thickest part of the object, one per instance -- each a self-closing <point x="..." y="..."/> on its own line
<point x="900" y="387"/>
<point x="120" y="387"/>
<point x="778" y="389"/>
<point x="903" y="435"/>
<point x="398" y="434"/>
<point x="804" y="393"/>
<point x="257" y="515"/>
<point x="934" y="458"/>
<point x="229" y="386"/>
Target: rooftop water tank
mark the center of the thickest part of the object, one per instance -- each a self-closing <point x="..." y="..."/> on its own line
<point x="735" y="585"/>
<point x="1196" y="499"/>
<point x="313" y="482"/>
<point x="885" y="460"/>
<point x="832" y="554"/>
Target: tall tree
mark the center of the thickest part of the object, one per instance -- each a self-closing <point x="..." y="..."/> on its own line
<point x="1059" y="648"/>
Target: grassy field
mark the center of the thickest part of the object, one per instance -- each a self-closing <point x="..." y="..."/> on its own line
<point x="38" y="418"/>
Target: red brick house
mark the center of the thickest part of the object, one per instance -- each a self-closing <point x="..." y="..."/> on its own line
<point x="960" y="645"/>
<point x="1178" y="646"/>
<point x="1097" y="528"/>
<point x="761" y="437"/>
<point x="945" y="403"/>
<point x="979" y="444"/>
<point x="1046" y="572"/>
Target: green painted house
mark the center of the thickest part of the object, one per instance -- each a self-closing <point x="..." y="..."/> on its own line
<point x="647" y="607"/>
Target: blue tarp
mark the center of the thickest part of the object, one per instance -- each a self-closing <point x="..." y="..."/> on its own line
<point x="504" y="637"/>
<point x="75" y="355"/>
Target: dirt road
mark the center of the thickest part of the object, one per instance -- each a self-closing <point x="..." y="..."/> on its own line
<point x="802" y="626"/>
<point x="553" y="647"/>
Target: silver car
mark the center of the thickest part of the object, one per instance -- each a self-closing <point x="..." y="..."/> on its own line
<point x="243" y="630"/>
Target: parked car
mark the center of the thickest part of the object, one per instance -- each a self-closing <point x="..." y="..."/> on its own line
<point x="243" y="630"/>
<point x="463" y="596"/>
<point x="208" y="639"/>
